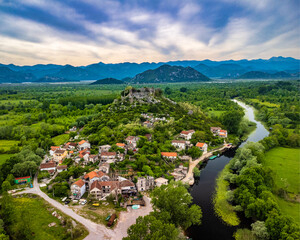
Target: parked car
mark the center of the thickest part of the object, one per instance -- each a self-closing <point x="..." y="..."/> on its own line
<point x="83" y="202"/>
<point x="67" y="202"/>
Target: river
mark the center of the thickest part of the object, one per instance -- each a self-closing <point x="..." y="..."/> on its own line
<point x="212" y="227"/>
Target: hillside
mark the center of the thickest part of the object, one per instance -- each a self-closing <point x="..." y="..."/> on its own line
<point x="107" y="81"/>
<point x="170" y="74"/>
<point x="264" y="75"/>
<point x="9" y="76"/>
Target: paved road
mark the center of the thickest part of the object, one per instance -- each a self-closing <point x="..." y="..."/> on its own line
<point x="96" y="231"/>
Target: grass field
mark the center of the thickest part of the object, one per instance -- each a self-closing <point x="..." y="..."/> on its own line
<point x="4" y="157"/>
<point x="7" y="144"/>
<point x="215" y="113"/>
<point x="60" y="139"/>
<point x="285" y="163"/>
<point x="267" y="104"/>
<point x="291" y="209"/>
<point x="36" y="214"/>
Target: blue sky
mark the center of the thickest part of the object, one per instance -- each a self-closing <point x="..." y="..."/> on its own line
<point x="83" y="32"/>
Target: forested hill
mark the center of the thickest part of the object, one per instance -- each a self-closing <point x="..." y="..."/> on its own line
<point x="108" y="81"/>
<point x="170" y="74"/>
<point x="124" y="118"/>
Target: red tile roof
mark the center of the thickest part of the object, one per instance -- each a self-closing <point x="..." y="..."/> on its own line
<point x="199" y="144"/>
<point x="48" y="165"/>
<point x="108" y="153"/>
<point x="82" y="142"/>
<point x="187" y="132"/>
<point x="178" y="141"/>
<point x="62" y="167"/>
<point x="169" y="154"/>
<point x="79" y="183"/>
<point x="120" y="144"/>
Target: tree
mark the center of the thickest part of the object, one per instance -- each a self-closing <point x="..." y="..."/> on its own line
<point x="231" y="120"/>
<point x="196" y="172"/>
<point x="195" y="152"/>
<point x="6" y="186"/>
<point x="183" y="89"/>
<point x="150" y="228"/>
<point x="175" y="200"/>
<point x="259" y="230"/>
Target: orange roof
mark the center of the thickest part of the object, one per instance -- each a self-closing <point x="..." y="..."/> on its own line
<point x="187" y="132"/>
<point x="79" y="183"/>
<point x="71" y="151"/>
<point x="169" y="154"/>
<point x="120" y="144"/>
<point x="199" y="144"/>
<point x="54" y="148"/>
<point x="81" y="142"/>
<point x="223" y="131"/>
<point x="91" y="175"/>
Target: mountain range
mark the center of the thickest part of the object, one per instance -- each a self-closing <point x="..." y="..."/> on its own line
<point x="130" y="71"/>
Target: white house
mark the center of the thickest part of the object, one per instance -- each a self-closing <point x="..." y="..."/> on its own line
<point x="160" y="181"/>
<point x="104" y="167"/>
<point x="181" y="144"/>
<point x="187" y="134"/>
<point x="78" y="189"/>
<point x="132" y="140"/>
<point x="202" y="146"/>
<point x="169" y="155"/>
<point x="104" y="148"/>
<point x="223" y="133"/>
<point x="215" y="130"/>
<point x="53" y="149"/>
<point x="83" y="144"/>
<point x="109" y="157"/>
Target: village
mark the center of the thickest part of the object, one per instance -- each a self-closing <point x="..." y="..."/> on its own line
<point x="100" y="183"/>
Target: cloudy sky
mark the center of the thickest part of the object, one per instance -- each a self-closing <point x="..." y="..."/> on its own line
<point x="88" y="31"/>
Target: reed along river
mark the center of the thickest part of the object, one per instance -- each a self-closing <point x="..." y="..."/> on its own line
<point x="212" y="227"/>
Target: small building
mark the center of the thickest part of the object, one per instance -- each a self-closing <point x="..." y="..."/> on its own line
<point x="185" y="158"/>
<point x="59" y="155"/>
<point x="187" y="135"/>
<point x="132" y="140"/>
<point x="70" y="145"/>
<point x="95" y="176"/>
<point x="102" y="189"/>
<point x="93" y="158"/>
<point x="223" y="134"/>
<point x="50" y="166"/>
<point x="120" y="145"/>
<point x="109" y="157"/>
<point x="202" y="146"/>
<point x="126" y="188"/>
<point x="61" y="168"/>
<point x="53" y="149"/>
<point x="22" y="180"/>
<point x="215" y="130"/>
<point x="83" y="144"/>
<point x="104" y="167"/>
<point x="169" y="155"/>
<point x="148" y="124"/>
<point x="145" y="183"/>
<point x="180" y="144"/>
<point x="104" y="148"/>
<point x="78" y="188"/>
<point x="160" y="181"/>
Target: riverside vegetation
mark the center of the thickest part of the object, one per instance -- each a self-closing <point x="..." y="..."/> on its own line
<point x="37" y="116"/>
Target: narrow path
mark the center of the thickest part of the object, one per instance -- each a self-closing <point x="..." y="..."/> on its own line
<point x="189" y="178"/>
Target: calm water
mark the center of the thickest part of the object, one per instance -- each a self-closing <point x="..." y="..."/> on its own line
<point x="212" y="228"/>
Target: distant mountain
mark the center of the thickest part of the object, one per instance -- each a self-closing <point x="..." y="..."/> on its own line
<point x="213" y="69"/>
<point x="169" y="74"/>
<point x="9" y="76"/>
<point x="264" y="75"/>
<point x="225" y="70"/>
<point x="108" y="81"/>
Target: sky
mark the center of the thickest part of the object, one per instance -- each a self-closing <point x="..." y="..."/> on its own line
<point x="89" y="31"/>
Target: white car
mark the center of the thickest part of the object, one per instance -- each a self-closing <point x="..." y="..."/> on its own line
<point x="83" y="202"/>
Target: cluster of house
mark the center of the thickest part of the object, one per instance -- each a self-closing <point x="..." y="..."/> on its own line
<point x="149" y="123"/>
<point x="217" y="131"/>
<point x="99" y="185"/>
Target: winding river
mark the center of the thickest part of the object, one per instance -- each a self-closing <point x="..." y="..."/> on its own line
<point x="212" y="227"/>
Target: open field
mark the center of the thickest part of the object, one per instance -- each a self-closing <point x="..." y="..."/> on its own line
<point x="267" y="104"/>
<point x="60" y="139"/>
<point x="35" y="213"/>
<point x="285" y="163"/>
<point x="7" y="144"/>
<point x="291" y="209"/>
<point x="4" y="157"/>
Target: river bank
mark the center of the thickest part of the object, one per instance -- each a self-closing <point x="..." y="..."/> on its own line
<point x="203" y="190"/>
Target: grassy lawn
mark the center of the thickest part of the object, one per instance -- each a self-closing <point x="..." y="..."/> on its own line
<point x="291" y="209"/>
<point x="60" y="139"/>
<point x="285" y="163"/>
<point x="4" y="157"/>
<point x="215" y="113"/>
<point x="222" y="208"/>
<point x="98" y="214"/>
<point x="35" y="213"/>
<point x="7" y="144"/>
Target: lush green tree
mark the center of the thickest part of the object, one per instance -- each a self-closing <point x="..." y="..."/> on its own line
<point x="231" y="120"/>
<point x="194" y="152"/>
<point x="150" y="228"/>
<point x="176" y="201"/>
<point x="259" y="230"/>
<point x="196" y="172"/>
